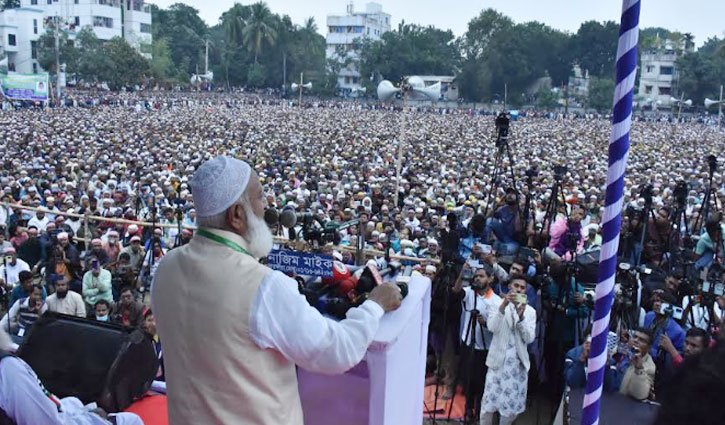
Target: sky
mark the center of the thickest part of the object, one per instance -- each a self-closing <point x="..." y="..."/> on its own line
<point x="702" y="18"/>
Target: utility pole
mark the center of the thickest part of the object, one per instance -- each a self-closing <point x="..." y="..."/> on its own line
<point x="301" y="82"/>
<point x="206" y="58"/>
<point x="57" y="59"/>
<point x="719" y="109"/>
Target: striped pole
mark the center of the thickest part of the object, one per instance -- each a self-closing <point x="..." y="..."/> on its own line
<point x="612" y="219"/>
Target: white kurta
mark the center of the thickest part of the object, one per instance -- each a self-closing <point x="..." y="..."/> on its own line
<point x="233" y="330"/>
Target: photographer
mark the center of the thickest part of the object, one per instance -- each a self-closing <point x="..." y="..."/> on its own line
<point x="513" y="325"/>
<point x="696" y="342"/>
<point x="506" y="224"/>
<point x="567" y="239"/>
<point x="564" y="303"/>
<point x="711" y="246"/>
<point x="703" y="310"/>
<point x="635" y="370"/>
<point x="478" y="300"/>
<point x="660" y="321"/>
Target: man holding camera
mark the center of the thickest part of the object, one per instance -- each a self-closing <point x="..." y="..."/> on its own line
<point x="513" y="325"/>
<point x="635" y="370"/>
<point x="506" y="224"/>
<point x="696" y="342"/>
<point x="477" y="301"/>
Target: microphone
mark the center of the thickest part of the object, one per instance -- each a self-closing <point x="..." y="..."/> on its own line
<point x="287" y="218"/>
<point x="271" y="217"/>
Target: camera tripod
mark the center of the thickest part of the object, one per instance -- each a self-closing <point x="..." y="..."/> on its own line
<point x="445" y="281"/>
<point x="466" y="364"/>
<point x="552" y="207"/>
<point x="647" y="213"/>
<point x="499" y="168"/>
<point x="705" y="208"/>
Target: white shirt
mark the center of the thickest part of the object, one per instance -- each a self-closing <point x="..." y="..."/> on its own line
<point x="484" y="306"/>
<point x="280" y="318"/>
<point x="13" y="271"/>
<point x="40" y="223"/>
<point x="72" y="304"/>
<point x="22" y="398"/>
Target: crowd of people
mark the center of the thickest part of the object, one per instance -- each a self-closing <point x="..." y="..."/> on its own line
<point x="509" y="224"/>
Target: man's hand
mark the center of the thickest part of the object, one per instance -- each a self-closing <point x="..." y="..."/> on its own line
<point x="638" y="360"/>
<point x="387" y="296"/>
<point x="520" y="310"/>
<point x="578" y="299"/>
<point x="666" y="344"/>
<point x="585" y="351"/>
<point x="489" y="258"/>
<point x="508" y="299"/>
<point x="481" y="320"/>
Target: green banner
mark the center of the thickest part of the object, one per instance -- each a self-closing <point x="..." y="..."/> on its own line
<point x="24" y="86"/>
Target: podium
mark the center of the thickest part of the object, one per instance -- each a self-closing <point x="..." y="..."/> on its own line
<point x="386" y="387"/>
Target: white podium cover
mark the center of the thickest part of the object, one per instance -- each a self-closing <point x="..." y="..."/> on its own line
<point x="386" y="388"/>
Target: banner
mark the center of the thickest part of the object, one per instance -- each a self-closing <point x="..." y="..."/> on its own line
<point x="25" y="86"/>
<point x="300" y="263"/>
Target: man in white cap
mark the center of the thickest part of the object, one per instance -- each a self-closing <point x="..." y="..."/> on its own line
<point x="232" y="328"/>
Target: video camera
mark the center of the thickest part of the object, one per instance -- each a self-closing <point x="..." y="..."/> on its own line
<point x="503" y="123"/>
<point x="680" y="192"/>
<point x="559" y="171"/>
<point x="628" y="279"/>
<point x="712" y="287"/>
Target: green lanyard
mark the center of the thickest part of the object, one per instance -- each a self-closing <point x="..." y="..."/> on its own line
<point x="222" y="240"/>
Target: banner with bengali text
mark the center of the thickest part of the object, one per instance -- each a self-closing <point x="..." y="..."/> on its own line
<point x="17" y="86"/>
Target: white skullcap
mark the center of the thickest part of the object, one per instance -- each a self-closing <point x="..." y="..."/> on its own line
<point x="218" y="184"/>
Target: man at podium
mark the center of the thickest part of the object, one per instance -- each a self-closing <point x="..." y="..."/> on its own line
<point x="232" y="328"/>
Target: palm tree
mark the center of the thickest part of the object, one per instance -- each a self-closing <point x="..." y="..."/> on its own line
<point x="233" y="23"/>
<point x="259" y="29"/>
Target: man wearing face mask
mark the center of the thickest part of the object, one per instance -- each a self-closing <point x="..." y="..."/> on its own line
<point x="10" y="268"/>
<point x="247" y="326"/>
<point x="102" y="311"/>
<point x="66" y="301"/>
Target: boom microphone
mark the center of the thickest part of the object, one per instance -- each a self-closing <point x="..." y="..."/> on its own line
<point x="287" y="218"/>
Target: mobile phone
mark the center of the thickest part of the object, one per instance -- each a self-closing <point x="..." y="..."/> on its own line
<point x="705" y="286"/>
<point x="8" y="258"/>
<point x="719" y="289"/>
<point x="521" y="298"/>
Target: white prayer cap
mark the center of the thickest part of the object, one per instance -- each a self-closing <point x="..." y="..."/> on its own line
<point x="218" y="184"/>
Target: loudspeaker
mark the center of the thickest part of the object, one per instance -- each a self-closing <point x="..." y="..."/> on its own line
<point x="710" y="102"/>
<point x="93" y="361"/>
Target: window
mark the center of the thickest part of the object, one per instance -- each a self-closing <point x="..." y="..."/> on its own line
<point x="102" y="21"/>
<point x="34" y="49"/>
<point x="50" y="1"/>
<point x="75" y="1"/>
<point x="137" y="5"/>
<point x="35" y="26"/>
<point x="665" y="90"/>
<point x="146" y="28"/>
<point x="648" y="89"/>
<point x="650" y="69"/>
<point x="33" y="2"/>
<point x="11" y="40"/>
<point x="77" y="21"/>
<point x="35" y="68"/>
<point x="666" y="70"/>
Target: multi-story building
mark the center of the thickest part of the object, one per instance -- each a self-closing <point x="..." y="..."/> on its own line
<point x="658" y="74"/>
<point x="21" y="27"/>
<point x="344" y="35"/>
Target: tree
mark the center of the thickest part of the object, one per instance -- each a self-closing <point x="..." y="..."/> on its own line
<point x="702" y="72"/>
<point x="259" y="29"/>
<point x="129" y="67"/>
<point x="547" y="99"/>
<point x="595" y="47"/>
<point x="45" y="50"/>
<point x="601" y="93"/>
<point x="185" y="33"/>
<point x="410" y="50"/>
<point x="10" y="4"/>
<point x="162" y="67"/>
<point x="92" y="62"/>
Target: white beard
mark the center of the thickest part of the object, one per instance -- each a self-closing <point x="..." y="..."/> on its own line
<point x="259" y="237"/>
